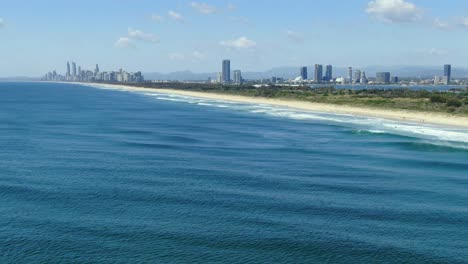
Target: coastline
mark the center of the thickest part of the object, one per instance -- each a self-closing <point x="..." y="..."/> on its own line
<point x="392" y="114"/>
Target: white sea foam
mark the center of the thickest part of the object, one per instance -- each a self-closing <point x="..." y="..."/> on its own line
<point x="370" y="124"/>
<point x="430" y="133"/>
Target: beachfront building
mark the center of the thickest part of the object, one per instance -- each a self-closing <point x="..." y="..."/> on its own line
<point x="448" y="72"/>
<point x="350" y="74"/>
<point x="237" y="77"/>
<point x="73" y="69"/>
<point x="357" y="76"/>
<point x="226" y="71"/>
<point x="318" y="73"/>
<point x="68" y="69"/>
<point x="363" y="79"/>
<point x="383" y="77"/>
<point x="303" y="72"/>
<point x="329" y="73"/>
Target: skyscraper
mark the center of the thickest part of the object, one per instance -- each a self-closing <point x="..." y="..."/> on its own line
<point x="357" y="76"/>
<point x="237" y="77"/>
<point x="226" y="71"/>
<point x="448" y="72"/>
<point x="304" y="73"/>
<point x="96" y="71"/>
<point x="318" y="73"/>
<point x="363" y="78"/>
<point x="329" y="73"/>
<point x="383" y="77"/>
<point x="350" y="74"/>
<point x="74" y="68"/>
<point x="68" y="68"/>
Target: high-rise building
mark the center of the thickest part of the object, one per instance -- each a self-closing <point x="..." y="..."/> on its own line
<point x="304" y="73"/>
<point x="329" y="73"/>
<point x="220" y="77"/>
<point x="74" y="68"/>
<point x="350" y="74"/>
<point x="96" y="70"/>
<point x="237" y="77"/>
<point x="383" y="77"/>
<point x="363" y="78"/>
<point x="448" y="72"/>
<point x="318" y="73"/>
<point x="68" y="68"/>
<point x="357" y="76"/>
<point x="226" y="71"/>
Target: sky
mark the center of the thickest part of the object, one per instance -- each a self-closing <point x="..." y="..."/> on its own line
<point x="257" y="35"/>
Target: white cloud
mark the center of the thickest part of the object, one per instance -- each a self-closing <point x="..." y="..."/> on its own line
<point x="176" y="16"/>
<point x="462" y="22"/>
<point x="134" y="35"/>
<point x="203" y="8"/>
<point x="2" y="22"/>
<point x="294" y="36"/>
<point x="140" y="35"/>
<point x="437" y="53"/>
<point x="394" y="11"/>
<point x="124" y="42"/>
<point x="231" y="7"/>
<point x="157" y="18"/>
<point x="176" y="56"/>
<point x="440" y="24"/>
<point x="198" y="55"/>
<point x="240" y="43"/>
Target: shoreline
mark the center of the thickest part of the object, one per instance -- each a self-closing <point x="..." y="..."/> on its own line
<point x="398" y="115"/>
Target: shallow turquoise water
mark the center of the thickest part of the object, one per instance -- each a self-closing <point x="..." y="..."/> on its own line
<point x="103" y="176"/>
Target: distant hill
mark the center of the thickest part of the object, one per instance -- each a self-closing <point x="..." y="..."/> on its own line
<point x="293" y="72"/>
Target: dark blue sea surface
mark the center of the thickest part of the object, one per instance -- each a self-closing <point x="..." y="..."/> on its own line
<point x="91" y="175"/>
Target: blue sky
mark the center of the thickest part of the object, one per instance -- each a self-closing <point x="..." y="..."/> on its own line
<point x="165" y="36"/>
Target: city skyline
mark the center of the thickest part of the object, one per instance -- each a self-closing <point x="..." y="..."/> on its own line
<point x="224" y="76"/>
<point x="192" y="35"/>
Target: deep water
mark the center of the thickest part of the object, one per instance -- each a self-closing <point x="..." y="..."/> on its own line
<point x="90" y="175"/>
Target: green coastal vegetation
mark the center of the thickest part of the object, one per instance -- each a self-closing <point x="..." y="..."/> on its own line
<point x="454" y="101"/>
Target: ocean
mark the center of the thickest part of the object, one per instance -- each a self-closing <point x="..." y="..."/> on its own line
<point x="91" y="175"/>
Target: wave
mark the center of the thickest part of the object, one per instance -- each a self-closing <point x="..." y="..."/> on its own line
<point x="445" y="136"/>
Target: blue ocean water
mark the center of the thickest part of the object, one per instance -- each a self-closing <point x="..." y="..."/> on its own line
<point x="90" y="175"/>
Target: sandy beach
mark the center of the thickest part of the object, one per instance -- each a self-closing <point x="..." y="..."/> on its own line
<point x="401" y="115"/>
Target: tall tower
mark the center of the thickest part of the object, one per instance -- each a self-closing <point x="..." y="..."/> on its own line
<point x="226" y="71"/>
<point x="74" y="68"/>
<point x="237" y="77"/>
<point x="318" y="73"/>
<point x="68" y="68"/>
<point x="363" y="78"/>
<point x="448" y="72"/>
<point x="329" y="73"/>
<point x="350" y="74"/>
<point x="357" y="76"/>
<point x="304" y="73"/>
<point x="96" y="71"/>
